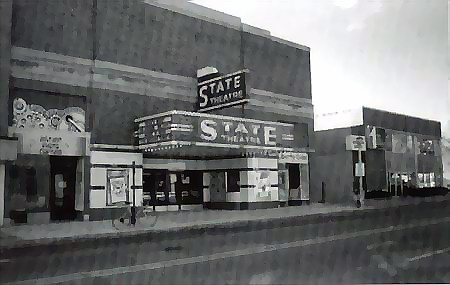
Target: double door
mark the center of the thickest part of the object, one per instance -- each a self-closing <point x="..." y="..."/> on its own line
<point x="163" y="188"/>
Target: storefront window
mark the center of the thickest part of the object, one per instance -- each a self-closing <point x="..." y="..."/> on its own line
<point x="29" y="183"/>
<point x="420" y="179"/>
<point x="432" y="180"/>
<point x="427" y="181"/>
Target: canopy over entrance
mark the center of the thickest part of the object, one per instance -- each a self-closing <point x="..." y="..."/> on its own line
<point x="190" y="134"/>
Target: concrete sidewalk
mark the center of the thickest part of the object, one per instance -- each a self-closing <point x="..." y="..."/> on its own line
<point x="30" y="235"/>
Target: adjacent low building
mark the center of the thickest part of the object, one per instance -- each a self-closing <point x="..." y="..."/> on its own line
<point x="105" y="101"/>
<point x="398" y="154"/>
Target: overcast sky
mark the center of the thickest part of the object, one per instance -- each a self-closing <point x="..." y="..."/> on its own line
<point x="386" y="54"/>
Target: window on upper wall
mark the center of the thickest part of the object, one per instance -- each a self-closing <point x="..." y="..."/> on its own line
<point x="376" y="137"/>
<point x="399" y="143"/>
<point x="380" y="137"/>
<point x="426" y="147"/>
<point x="410" y="143"/>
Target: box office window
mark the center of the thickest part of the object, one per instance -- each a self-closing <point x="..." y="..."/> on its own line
<point x="233" y="181"/>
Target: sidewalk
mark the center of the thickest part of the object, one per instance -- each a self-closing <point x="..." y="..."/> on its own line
<point x="29" y="235"/>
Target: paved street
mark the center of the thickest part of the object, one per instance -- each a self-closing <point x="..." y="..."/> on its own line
<point x="390" y="246"/>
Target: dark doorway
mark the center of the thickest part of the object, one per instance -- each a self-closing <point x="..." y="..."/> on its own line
<point x="156" y="190"/>
<point x="189" y="187"/>
<point x="294" y="184"/>
<point x="62" y="187"/>
<point x="294" y="176"/>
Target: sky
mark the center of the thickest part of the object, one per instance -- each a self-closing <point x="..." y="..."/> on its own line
<point x="385" y="54"/>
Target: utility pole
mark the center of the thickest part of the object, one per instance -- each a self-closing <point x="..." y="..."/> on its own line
<point x="133" y="209"/>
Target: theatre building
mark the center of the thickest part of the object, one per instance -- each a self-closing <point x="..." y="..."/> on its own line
<point x="170" y="107"/>
<point x="380" y="153"/>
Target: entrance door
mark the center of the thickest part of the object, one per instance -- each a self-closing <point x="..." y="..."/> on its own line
<point x="62" y="187"/>
<point x="217" y="187"/>
<point x="395" y="184"/>
<point x="294" y="182"/>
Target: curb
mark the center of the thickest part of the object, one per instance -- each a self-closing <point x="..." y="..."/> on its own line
<point x="208" y="228"/>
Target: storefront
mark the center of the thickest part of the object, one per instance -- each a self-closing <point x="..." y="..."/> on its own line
<point x="72" y="103"/>
<point x="402" y="155"/>
<point x="46" y="181"/>
<point x="220" y="161"/>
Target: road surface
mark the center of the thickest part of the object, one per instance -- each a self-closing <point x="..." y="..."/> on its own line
<point x="396" y="246"/>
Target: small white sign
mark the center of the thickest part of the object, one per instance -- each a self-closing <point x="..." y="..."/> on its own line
<point x="360" y="169"/>
<point x="355" y="143"/>
<point x="293" y="157"/>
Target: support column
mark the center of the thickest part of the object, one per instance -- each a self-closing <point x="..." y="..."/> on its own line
<point x="5" y="71"/>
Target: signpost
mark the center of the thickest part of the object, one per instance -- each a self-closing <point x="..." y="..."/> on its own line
<point x="358" y="143"/>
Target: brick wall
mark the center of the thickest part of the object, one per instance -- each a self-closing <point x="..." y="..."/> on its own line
<point x="137" y="34"/>
<point x="63" y="27"/>
<point x="5" y="57"/>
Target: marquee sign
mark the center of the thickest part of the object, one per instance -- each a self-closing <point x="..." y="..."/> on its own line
<point x="223" y="91"/>
<point x="219" y="131"/>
